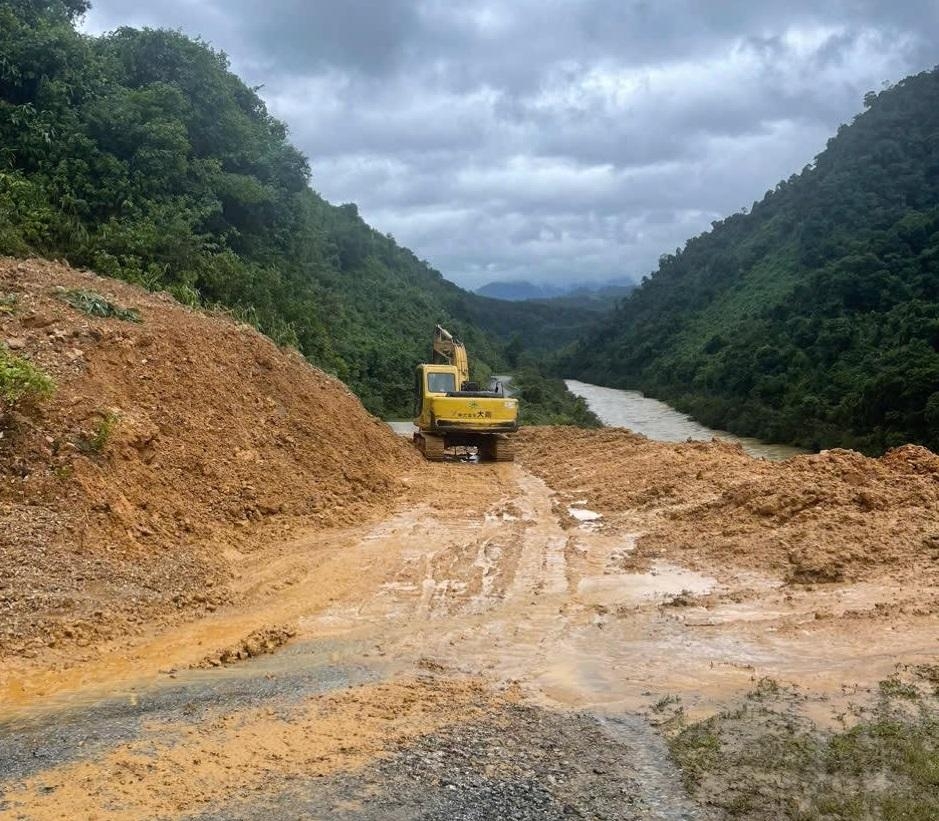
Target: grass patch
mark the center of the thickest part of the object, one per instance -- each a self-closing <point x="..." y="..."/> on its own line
<point x="7" y="303"/>
<point x="22" y="384"/>
<point x="766" y="760"/>
<point x="98" y="439"/>
<point x="698" y="748"/>
<point x="894" y="687"/>
<point x="94" y="304"/>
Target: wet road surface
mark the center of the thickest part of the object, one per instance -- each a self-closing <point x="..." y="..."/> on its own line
<point x="488" y="654"/>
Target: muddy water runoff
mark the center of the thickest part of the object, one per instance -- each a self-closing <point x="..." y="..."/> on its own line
<point x="525" y="588"/>
<point x="656" y="420"/>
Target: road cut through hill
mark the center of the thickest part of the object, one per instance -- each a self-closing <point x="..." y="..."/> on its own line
<point x="487" y="582"/>
<point x="406" y="639"/>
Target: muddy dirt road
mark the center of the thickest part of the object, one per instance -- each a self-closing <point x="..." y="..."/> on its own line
<point x="494" y="649"/>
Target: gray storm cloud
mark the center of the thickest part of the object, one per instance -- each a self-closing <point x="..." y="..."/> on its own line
<point x="553" y="140"/>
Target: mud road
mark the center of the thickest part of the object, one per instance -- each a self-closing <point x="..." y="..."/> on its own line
<point x="496" y="648"/>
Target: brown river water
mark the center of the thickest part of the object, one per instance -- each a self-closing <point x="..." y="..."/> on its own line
<point x="656" y="420"/>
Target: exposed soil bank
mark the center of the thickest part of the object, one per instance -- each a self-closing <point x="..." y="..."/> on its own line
<point x="170" y="448"/>
<point x="826" y="517"/>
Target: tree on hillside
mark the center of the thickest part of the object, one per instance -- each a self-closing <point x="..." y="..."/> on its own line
<point x="814" y="318"/>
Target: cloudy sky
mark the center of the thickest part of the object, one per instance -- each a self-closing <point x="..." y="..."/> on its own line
<point x="553" y="140"/>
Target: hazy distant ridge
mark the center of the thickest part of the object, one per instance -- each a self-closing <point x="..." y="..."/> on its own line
<point x="517" y="290"/>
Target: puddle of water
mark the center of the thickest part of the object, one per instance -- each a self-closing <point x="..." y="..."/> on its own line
<point x="634" y="588"/>
<point x="584" y="515"/>
<point x="733" y="614"/>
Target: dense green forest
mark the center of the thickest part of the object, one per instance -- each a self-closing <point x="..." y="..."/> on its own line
<point x="139" y="155"/>
<point x="814" y="318"/>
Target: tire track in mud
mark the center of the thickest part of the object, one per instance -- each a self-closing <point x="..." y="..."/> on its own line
<point x="525" y="597"/>
<point x="480" y="592"/>
<point x="572" y="645"/>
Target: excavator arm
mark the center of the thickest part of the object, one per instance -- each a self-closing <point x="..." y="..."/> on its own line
<point x="450" y="351"/>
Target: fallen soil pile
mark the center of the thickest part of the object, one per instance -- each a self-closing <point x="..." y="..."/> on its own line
<point x="168" y="443"/>
<point x="821" y="518"/>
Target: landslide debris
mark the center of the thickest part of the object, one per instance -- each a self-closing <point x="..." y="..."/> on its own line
<point x="168" y="443"/>
<point x="258" y="643"/>
<point x="826" y="517"/>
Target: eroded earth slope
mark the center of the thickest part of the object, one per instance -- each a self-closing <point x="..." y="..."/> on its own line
<point x="170" y="447"/>
<point x="378" y="637"/>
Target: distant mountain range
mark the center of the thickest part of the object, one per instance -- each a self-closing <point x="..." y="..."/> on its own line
<point x="519" y="290"/>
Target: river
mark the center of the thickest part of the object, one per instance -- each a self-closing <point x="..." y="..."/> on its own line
<point x="656" y="420"/>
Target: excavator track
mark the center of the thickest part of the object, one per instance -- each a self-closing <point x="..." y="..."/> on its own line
<point x="497" y="448"/>
<point x="504" y="449"/>
<point x="431" y="446"/>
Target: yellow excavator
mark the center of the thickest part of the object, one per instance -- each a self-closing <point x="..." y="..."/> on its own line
<point x="450" y="411"/>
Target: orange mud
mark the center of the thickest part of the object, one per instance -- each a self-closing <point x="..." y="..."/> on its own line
<point x="182" y="768"/>
<point x="492" y="575"/>
<point x="491" y="582"/>
<point x="828" y="517"/>
<point x="246" y="500"/>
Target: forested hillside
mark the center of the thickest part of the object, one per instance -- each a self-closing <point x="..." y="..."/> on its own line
<point x="814" y="318"/>
<point x="141" y="156"/>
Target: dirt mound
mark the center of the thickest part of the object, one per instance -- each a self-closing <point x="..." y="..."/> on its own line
<point x="168" y="443"/>
<point x="820" y="518"/>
